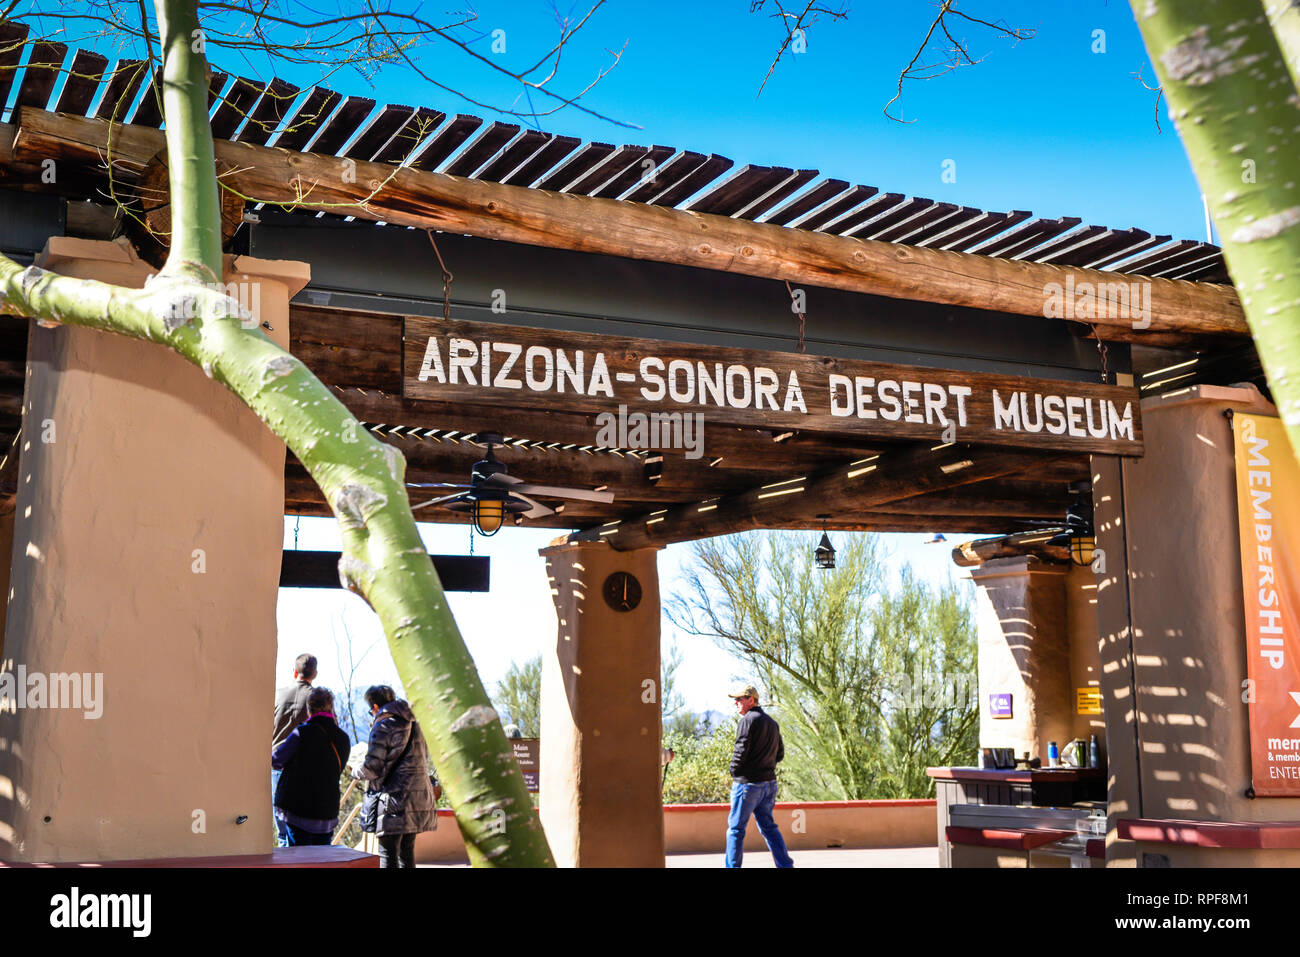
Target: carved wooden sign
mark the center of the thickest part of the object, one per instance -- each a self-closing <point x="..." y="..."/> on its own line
<point x="502" y="366"/>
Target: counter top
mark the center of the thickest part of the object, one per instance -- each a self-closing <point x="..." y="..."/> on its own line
<point x="1035" y="776"/>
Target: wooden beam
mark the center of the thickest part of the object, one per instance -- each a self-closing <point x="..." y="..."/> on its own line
<point x="857" y="486"/>
<point x="974" y="554"/>
<point x="409" y="197"/>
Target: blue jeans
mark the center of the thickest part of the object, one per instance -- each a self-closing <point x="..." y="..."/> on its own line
<point x="758" y="800"/>
<point x="282" y="836"/>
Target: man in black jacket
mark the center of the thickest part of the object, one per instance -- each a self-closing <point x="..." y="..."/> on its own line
<point x="311" y="759"/>
<point x="753" y="775"/>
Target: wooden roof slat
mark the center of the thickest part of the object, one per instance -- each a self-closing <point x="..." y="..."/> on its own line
<point x="846" y="201"/>
<point x="961" y="216"/>
<point x="900" y="214"/>
<point x="739" y="185"/>
<point x="869" y="211"/>
<point x="12" y="35"/>
<point x="1130" y="264"/>
<point x="40" y="74"/>
<point x="415" y="131"/>
<point x="823" y="191"/>
<point x="694" y="181"/>
<point x="1215" y="270"/>
<point x="486" y="145"/>
<point x="677" y="169"/>
<point x="960" y="234"/>
<point x="446" y="141"/>
<point x="339" y="128"/>
<point x="509" y="159"/>
<point x="239" y="99"/>
<point x="148" y="111"/>
<point x="85" y="73"/>
<point x="1025" y="237"/>
<point x="792" y="183"/>
<point x="645" y="168"/>
<point x="542" y="161"/>
<point x="215" y="86"/>
<point x="1102" y="244"/>
<point x="965" y="239"/>
<point x="614" y="164"/>
<point x="1126" y="252"/>
<point x="744" y="196"/>
<point x="938" y="211"/>
<point x="265" y="118"/>
<point x="379" y="131"/>
<point x="577" y="165"/>
<point x="1074" y="240"/>
<point x="1194" y="256"/>
<point x="306" y="119"/>
<point x="1028" y="247"/>
<point x="122" y="86"/>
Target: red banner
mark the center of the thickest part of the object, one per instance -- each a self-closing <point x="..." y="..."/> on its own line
<point x="1268" y="521"/>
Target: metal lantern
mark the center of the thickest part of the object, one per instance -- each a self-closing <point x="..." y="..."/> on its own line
<point x="825" y="552"/>
<point x="1078" y="538"/>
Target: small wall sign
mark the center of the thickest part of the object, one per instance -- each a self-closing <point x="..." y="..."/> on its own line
<point x="1088" y="700"/>
<point x="1000" y="705"/>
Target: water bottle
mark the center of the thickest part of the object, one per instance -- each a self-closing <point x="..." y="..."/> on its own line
<point x="1094" y="753"/>
<point x="1053" y="754"/>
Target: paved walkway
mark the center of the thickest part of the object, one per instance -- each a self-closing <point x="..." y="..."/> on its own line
<point x="831" y="857"/>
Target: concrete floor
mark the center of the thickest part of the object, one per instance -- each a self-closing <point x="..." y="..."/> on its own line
<point x="831" y="857"/>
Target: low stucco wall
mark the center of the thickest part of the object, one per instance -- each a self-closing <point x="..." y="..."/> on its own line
<point x="701" y="828"/>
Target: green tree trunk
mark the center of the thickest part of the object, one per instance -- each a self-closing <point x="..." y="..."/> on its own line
<point x="1234" y="102"/>
<point x="185" y="309"/>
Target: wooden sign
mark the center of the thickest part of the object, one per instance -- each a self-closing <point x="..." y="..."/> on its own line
<point x="496" y="365"/>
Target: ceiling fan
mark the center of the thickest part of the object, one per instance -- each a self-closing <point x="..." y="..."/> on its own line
<point x="492" y="492"/>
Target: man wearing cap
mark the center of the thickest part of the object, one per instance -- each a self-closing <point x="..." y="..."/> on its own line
<point x="753" y="778"/>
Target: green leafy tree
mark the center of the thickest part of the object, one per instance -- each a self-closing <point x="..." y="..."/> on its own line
<point x="700" y="773"/>
<point x="519" y="696"/>
<point x="830" y="649"/>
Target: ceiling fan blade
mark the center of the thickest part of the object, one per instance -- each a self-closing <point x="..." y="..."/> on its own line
<point x="538" y="510"/>
<point x="502" y="478"/>
<point x="436" y="501"/>
<point x="560" y="491"/>
<point x="437" y="485"/>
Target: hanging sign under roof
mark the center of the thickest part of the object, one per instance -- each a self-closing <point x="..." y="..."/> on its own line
<point x="498" y="365"/>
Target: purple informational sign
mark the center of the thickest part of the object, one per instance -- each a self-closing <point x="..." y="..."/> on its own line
<point x="1000" y="705"/>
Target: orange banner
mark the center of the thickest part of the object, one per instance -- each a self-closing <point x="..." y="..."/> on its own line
<point x="1268" y="521"/>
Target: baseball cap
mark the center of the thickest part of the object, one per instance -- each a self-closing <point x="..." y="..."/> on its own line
<point x="743" y="691"/>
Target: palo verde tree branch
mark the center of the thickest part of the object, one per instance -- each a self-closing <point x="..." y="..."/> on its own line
<point x="1236" y="107"/>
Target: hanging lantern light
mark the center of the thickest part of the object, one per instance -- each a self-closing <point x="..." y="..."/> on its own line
<point x="1078" y="538"/>
<point x="488" y="507"/>
<point x="825" y="552"/>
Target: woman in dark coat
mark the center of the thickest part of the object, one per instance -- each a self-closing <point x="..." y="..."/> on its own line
<point x="399" y="801"/>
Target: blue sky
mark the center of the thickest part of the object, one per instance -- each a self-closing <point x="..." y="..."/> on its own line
<point x="1058" y="124"/>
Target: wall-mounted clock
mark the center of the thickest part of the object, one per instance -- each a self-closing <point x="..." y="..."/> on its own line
<point x="622" y="591"/>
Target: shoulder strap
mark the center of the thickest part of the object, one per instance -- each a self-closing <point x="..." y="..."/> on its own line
<point x="329" y="739"/>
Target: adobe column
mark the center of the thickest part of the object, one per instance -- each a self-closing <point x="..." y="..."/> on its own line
<point x="1024" y="650"/>
<point x="146" y="560"/>
<point x="600" y="773"/>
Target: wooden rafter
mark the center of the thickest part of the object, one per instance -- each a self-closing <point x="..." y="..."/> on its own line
<point x="404" y="196"/>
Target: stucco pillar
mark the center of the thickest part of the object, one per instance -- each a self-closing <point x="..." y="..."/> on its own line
<point x="1188" y="625"/>
<point x="146" y="560"/>
<point x="600" y="772"/>
<point x="1024" y="650"/>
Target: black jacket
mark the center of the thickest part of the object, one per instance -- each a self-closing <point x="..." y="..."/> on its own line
<point x="400" y="797"/>
<point x="314" y="756"/>
<point x="758" y="748"/>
